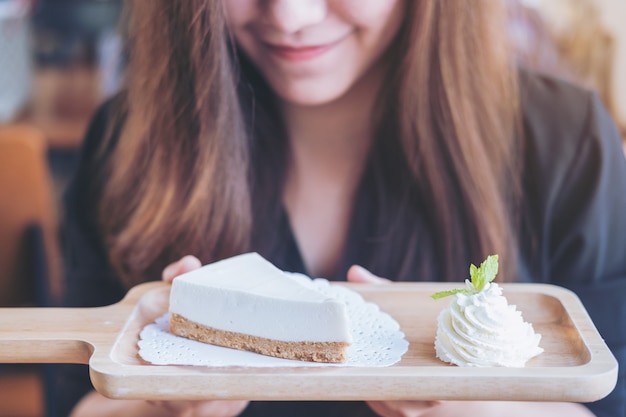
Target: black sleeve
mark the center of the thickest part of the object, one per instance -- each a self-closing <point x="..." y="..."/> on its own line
<point x="89" y="279"/>
<point x="577" y="171"/>
<point x="589" y="241"/>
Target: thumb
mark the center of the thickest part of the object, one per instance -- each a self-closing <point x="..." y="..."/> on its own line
<point x="357" y="273"/>
<point x="185" y="264"/>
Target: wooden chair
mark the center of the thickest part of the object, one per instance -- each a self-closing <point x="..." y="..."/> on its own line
<point x="28" y="214"/>
<point x="30" y="262"/>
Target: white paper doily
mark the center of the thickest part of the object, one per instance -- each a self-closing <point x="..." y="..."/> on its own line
<point x="377" y="340"/>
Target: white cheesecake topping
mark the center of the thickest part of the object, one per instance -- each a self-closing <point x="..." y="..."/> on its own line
<point x="247" y="294"/>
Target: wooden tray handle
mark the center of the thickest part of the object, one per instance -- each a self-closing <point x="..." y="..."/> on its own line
<point x="63" y="335"/>
<point x="44" y="335"/>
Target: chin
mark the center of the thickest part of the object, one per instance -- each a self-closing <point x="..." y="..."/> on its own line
<point x="313" y="95"/>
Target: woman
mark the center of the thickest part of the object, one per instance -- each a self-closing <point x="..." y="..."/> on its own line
<point x="395" y="135"/>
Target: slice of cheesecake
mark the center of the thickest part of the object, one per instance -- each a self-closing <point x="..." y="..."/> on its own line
<point x="246" y="303"/>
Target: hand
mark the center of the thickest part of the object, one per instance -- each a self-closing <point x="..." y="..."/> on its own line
<point x="460" y="408"/>
<point x="202" y="408"/>
<point x="476" y="408"/>
<point x="357" y="273"/>
<point x="184" y="264"/>
<point x="195" y="408"/>
<point x="403" y="408"/>
<point x="96" y="405"/>
<point x="505" y="408"/>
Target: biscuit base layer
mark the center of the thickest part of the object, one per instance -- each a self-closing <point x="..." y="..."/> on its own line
<point x="331" y="352"/>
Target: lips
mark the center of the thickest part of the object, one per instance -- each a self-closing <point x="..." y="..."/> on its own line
<point x="300" y="53"/>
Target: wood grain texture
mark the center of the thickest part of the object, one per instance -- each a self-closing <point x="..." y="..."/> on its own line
<point x="575" y="366"/>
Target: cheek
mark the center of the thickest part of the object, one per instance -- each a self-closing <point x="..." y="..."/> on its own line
<point x="372" y="17"/>
<point x="239" y="15"/>
<point x="239" y="12"/>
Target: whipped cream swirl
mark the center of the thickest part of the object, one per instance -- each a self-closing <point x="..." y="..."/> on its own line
<point x="482" y="329"/>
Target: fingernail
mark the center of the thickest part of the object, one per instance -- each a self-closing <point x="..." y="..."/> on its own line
<point x="169" y="271"/>
<point x="362" y="270"/>
<point x="191" y="262"/>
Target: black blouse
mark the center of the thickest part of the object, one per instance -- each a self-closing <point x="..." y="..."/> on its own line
<point x="574" y="202"/>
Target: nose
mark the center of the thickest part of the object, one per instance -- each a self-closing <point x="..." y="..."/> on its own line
<point x="291" y="16"/>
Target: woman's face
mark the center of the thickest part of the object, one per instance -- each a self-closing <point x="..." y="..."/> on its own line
<point x="312" y="51"/>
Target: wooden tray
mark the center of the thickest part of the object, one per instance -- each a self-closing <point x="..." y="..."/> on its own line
<point x="576" y="364"/>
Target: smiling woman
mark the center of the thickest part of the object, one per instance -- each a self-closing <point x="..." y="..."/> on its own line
<point x="410" y="111"/>
<point x="314" y="52"/>
<point x="392" y="134"/>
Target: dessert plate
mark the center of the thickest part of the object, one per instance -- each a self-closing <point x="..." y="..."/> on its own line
<point x="575" y="366"/>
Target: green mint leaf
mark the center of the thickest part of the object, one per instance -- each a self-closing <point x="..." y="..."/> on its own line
<point x="476" y="277"/>
<point x="485" y="273"/>
<point x="473" y="270"/>
<point x="442" y="294"/>
<point x="479" y="277"/>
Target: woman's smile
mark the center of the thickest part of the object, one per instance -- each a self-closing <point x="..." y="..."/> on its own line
<point x="313" y="52"/>
<point x="301" y="53"/>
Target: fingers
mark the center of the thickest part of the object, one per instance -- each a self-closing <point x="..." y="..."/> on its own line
<point x="185" y="264"/>
<point x="357" y="273"/>
<point x="216" y="408"/>
<point x="402" y="408"/>
<point x="174" y="408"/>
<point x="219" y="408"/>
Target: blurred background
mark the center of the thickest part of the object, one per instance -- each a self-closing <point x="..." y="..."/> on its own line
<point x="60" y="59"/>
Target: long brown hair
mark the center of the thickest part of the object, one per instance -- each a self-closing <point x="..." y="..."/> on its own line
<point x="459" y="120"/>
<point x="185" y="169"/>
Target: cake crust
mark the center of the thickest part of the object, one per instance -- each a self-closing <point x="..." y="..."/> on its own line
<point x="329" y="352"/>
